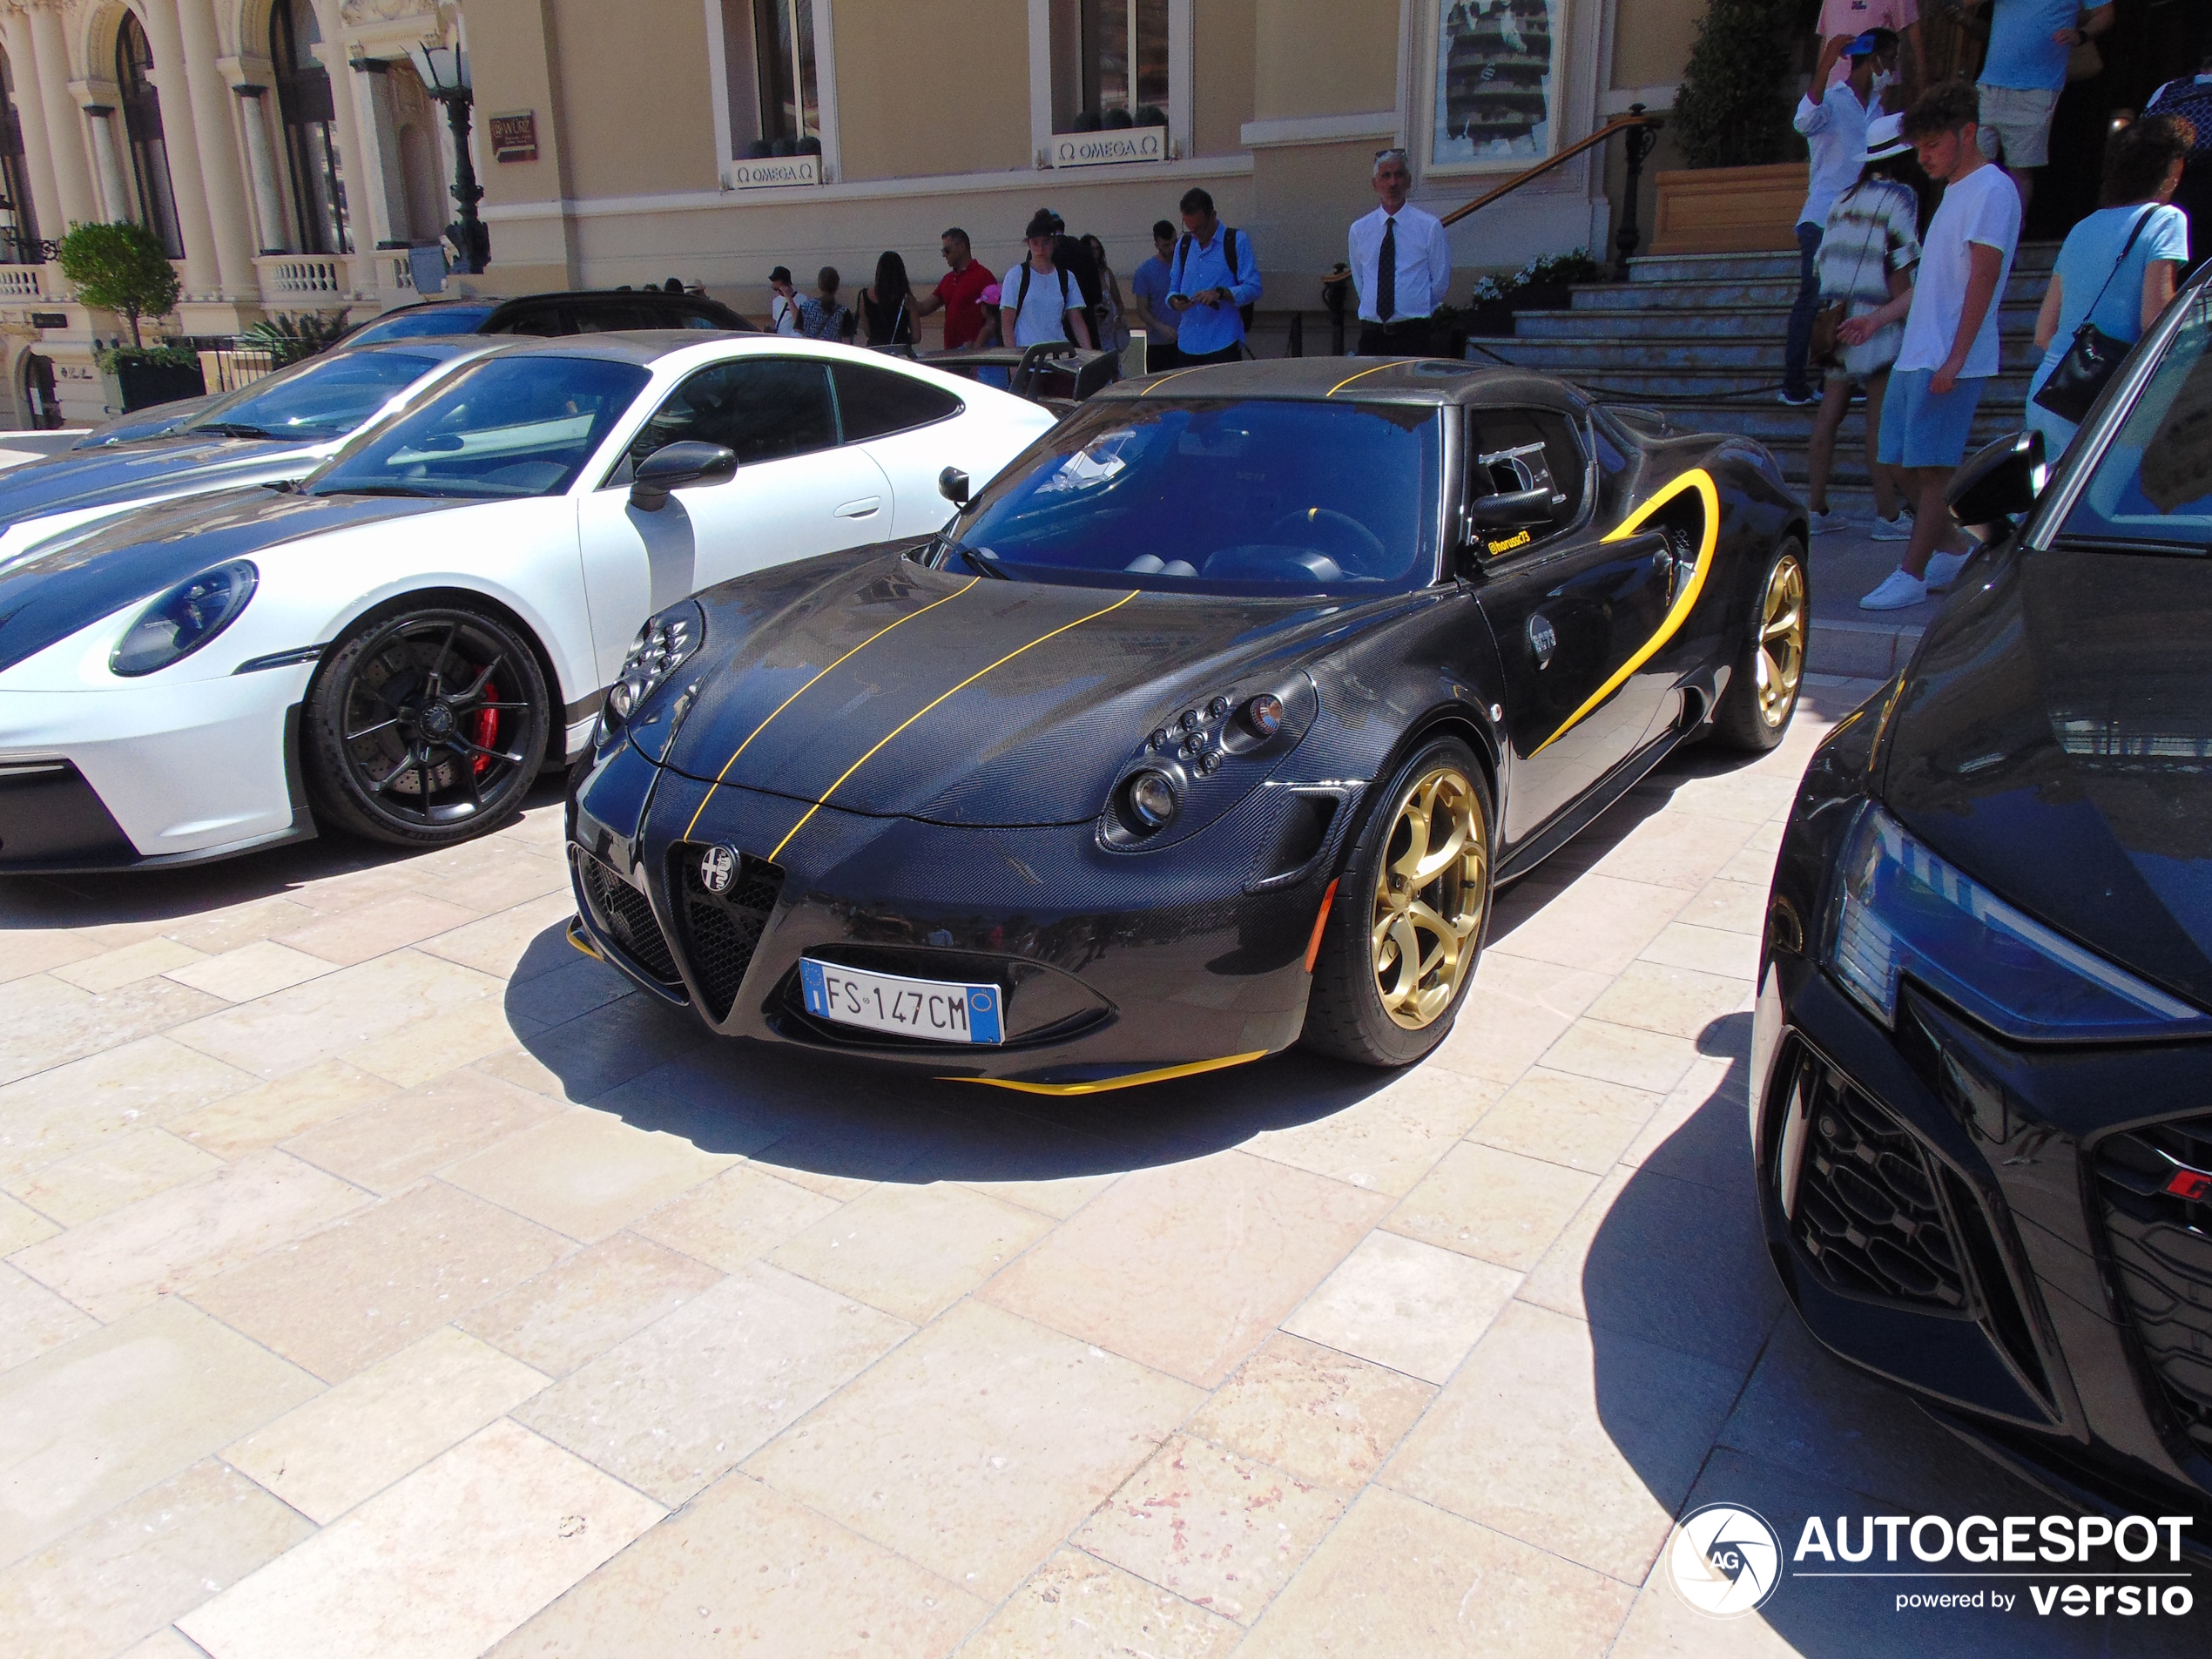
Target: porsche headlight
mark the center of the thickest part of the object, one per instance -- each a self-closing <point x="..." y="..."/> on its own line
<point x="1900" y="910"/>
<point x="661" y="646"/>
<point x="176" y="623"/>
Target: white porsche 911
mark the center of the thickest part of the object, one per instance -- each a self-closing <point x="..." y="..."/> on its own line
<point x="398" y="643"/>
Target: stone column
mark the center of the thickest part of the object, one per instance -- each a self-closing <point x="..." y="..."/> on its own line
<point x="252" y="114"/>
<point x="199" y="267"/>
<point x="72" y="177"/>
<point x="30" y="106"/>
<point x="221" y="174"/>
<point x="355" y="90"/>
<point x="107" y="163"/>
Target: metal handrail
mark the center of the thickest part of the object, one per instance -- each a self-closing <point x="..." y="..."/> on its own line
<point x="1640" y="129"/>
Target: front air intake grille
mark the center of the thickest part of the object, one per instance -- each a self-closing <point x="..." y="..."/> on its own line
<point x="2158" y="1225"/>
<point x="1868" y="1206"/>
<point x="624" y="916"/>
<point x="721" y="931"/>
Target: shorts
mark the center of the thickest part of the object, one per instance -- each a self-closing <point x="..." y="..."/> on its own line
<point x="2020" y="116"/>
<point x="1921" y="430"/>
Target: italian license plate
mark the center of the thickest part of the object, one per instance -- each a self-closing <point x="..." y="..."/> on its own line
<point x="913" y="1008"/>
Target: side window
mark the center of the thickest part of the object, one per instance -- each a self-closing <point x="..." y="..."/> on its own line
<point x="609" y="318"/>
<point x="1510" y="450"/>
<point x="761" y="409"/>
<point x="545" y="325"/>
<point x="2151" y="487"/>
<point x="875" y="402"/>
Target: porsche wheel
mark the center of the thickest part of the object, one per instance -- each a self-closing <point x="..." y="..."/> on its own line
<point x="1407" y="926"/>
<point x="426" y="726"/>
<point x="1762" y="693"/>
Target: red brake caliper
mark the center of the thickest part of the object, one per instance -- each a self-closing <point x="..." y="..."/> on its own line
<point x="485" y="726"/>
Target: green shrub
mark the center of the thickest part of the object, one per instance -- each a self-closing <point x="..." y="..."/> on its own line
<point x="291" y="338"/>
<point x="1733" y="110"/>
<point x="174" y="356"/>
<point x="119" y="267"/>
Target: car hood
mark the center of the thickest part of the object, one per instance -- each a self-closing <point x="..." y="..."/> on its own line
<point x="2055" y="741"/>
<point x="961" y="700"/>
<point x="73" y="581"/>
<point x="100" y="477"/>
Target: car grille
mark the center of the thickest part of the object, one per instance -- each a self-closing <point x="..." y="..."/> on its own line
<point x="624" y="915"/>
<point x="2161" y="1243"/>
<point x="1869" y="1209"/>
<point x="721" y="931"/>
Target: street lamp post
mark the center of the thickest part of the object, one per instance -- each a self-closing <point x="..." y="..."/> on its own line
<point x="444" y="71"/>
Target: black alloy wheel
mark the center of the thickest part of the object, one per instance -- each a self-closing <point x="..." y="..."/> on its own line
<point x="1762" y="695"/>
<point x="1411" y="909"/>
<point x="425" y="725"/>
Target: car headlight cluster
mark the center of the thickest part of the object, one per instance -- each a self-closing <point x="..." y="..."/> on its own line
<point x="1180" y="755"/>
<point x="1901" y="912"/>
<point x="660" y="648"/>
<point x="176" y="623"/>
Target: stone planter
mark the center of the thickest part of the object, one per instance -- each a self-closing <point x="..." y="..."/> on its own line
<point x="1729" y="210"/>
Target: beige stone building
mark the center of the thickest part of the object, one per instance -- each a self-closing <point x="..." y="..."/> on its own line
<point x="290" y="156"/>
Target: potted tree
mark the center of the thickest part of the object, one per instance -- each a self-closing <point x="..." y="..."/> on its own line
<point x="1744" y="179"/>
<point x="123" y="268"/>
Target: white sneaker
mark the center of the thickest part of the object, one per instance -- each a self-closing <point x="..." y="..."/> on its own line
<point x="1942" y="570"/>
<point x="1893" y="529"/>
<point x="1831" y="520"/>
<point x="1898" y="590"/>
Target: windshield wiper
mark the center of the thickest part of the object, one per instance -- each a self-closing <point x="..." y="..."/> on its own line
<point x="382" y="489"/>
<point x="976" y="561"/>
<point x="235" y="429"/>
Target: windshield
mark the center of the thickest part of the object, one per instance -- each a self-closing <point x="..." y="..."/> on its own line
<point x="324" y="398"/>
<point x="512" y="426"/>
<point x="1220" y="496"/>
<point x="2151" y="487"/>
<point x="421" y="322"/>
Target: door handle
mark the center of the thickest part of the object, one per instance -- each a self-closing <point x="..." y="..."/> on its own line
<point x="860" y="508"/>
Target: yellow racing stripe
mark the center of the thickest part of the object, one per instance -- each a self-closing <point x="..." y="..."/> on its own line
<point x="795" y="695"/>
<point x="1700" y="481"/>
<point x="1173" y="374"/>
<point x="934" y="702"/>
<point x="1394" y="362"/>
<point x="1105" y="1083"/>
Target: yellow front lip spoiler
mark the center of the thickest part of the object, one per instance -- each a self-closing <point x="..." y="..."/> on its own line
<point x="581" y="941"/>
<point x="1133" y="1080"/>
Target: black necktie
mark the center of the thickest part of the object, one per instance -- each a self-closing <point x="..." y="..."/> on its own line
<point x="1387" y="272"/>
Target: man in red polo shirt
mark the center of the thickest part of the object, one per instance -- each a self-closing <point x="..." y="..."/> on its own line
<point x="960" y="294"/>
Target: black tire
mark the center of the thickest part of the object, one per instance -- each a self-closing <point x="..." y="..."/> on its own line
<point x="426" y="724"/>
<point x="1346" y="1014"/>
<point x="1762" y="697"/>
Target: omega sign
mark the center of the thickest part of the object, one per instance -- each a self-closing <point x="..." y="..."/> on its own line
<point x="1093" y="149"/>
<point x="760" y="171"/>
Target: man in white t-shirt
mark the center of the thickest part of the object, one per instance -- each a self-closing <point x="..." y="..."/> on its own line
<point x="1949" y="347"/>
<point x="783" y="307"/>
<point x="1040" y="301"/>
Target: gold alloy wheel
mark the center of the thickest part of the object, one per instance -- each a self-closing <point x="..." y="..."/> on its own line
<point x="1429" y="898"/>
<point x="1782" y="642"/>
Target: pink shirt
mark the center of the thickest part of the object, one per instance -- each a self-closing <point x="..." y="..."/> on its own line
<point x="1856" y="17"/>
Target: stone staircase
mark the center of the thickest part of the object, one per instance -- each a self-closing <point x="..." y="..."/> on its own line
<point x="1701" y="336"/>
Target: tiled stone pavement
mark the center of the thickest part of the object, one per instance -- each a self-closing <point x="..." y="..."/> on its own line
<point x="382" y="1277"/>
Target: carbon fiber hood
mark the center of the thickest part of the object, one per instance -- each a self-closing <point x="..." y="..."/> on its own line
<point x="100" y="477"/>
<point x="2055" y="741"/>
<point x="894" y="690"/>
<point x="59" y="588"/>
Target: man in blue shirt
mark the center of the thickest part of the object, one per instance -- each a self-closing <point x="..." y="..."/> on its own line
<point x="1149" y="287"/>
<point x="2023" y="74"/>
<point x="1216" y="273"/>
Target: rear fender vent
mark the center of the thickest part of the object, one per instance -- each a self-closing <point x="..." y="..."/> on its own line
<point x="2158" y="1228"/>
<point x="721" y="931"/>
<point x="626" y="917"/>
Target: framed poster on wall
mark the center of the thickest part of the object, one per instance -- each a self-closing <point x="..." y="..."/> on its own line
<point x="1494" y="72"/>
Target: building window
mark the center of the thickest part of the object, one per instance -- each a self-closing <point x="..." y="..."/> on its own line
<point x="1110" y="63"/>
<point x="18" y="216"/>
<point x="304" y="101"/>
<point x="141" y="126"/>
<point x="768" y="58"/>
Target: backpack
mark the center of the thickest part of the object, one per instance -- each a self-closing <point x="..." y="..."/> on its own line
<point x="1229" y="253"/>
<point x="1021" y="297"/>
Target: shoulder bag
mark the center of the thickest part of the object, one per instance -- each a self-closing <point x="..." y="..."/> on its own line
<point x="2094" y="356"/>
<point x="1826" y="347"/>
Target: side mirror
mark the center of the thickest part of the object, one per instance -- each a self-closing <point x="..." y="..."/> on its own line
<point x="1511" y="510"/>
<point x="1999" y="481"/>
<point x="952" y="485"/>
<point x="678" y="466"/>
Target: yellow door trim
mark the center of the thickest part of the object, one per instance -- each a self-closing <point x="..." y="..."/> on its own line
<point x="1106" y="1083"/>
<point x="1700" y="481"/>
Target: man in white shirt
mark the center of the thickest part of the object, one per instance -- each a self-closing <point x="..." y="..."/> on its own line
<point x="1040" y="301"/>
<point x="1401" y="265"/>
<point x="1835" y="129"/>
<point x="783" y="309"/>
<point x="1949" y="347"/>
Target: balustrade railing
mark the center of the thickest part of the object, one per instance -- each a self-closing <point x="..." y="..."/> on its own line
<point x="22" y="282"/>
<point x="312" y="277"/>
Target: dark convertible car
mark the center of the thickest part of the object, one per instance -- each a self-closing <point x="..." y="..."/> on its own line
<point x="1982" y="1068"/>
<point x="1209" y="724"/>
